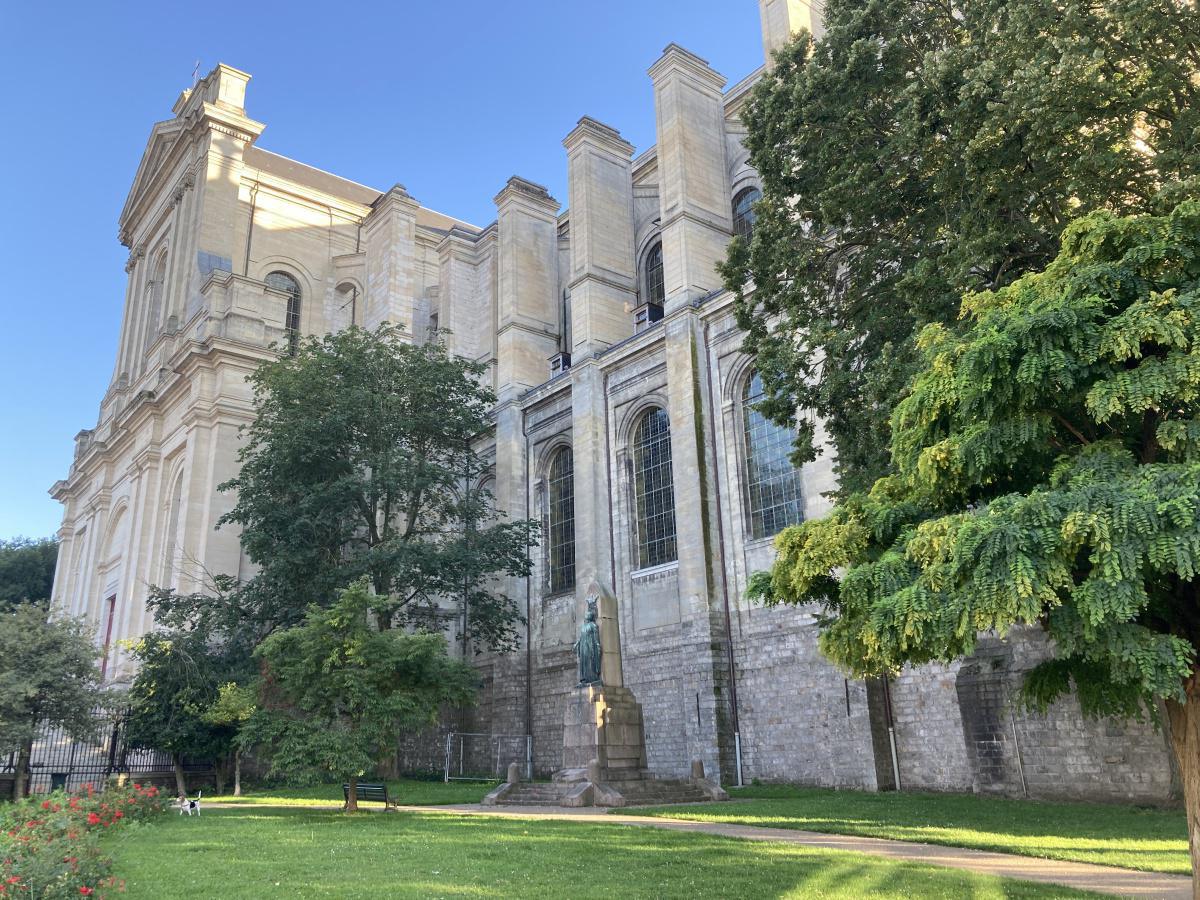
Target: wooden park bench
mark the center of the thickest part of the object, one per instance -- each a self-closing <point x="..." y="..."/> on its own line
<point x="369" y="791"/>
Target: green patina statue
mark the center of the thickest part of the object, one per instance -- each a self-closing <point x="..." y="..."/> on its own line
<point x="588" y="648"/>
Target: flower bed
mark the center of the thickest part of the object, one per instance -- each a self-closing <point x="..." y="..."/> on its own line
<point x="50" y="844"/>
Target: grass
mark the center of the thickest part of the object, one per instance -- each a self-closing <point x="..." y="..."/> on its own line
<point x="262" y="852"/>
<point x="405" y="791"/>
<point x="1151" y="840"/>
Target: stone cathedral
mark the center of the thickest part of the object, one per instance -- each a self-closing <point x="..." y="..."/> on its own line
<point x="625" y="424"/>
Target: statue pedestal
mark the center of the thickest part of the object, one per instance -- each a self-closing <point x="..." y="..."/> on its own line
<point x="604" y="723"/>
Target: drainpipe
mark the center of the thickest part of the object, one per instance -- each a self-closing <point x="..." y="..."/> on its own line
<point x="250" y="229"/>
<point x="733" y="696"/>
<point x="891" y="727"/>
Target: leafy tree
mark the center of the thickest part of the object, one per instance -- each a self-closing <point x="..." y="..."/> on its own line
<point x="48" y="675"/>
<point x="177" y="682"/>
<point x="232" y="709"/>
<point x="925" y="150"/>
<point x="27" y="571"/>
<point x="337" y="692"/>
<point x="1047" y="474"/>
<point x="355" y="466"/>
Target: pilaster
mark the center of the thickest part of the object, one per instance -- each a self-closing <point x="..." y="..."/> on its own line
<point x="526" y="286"/>
<point x="390" y="234"/>
<point x="603" y="273"/>
<point x="696" y="219"/>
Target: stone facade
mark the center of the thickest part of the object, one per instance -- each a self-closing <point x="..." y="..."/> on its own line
<point x="582" y="341"/>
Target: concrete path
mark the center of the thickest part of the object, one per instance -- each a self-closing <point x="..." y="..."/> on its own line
<point x="1083" y="876"/>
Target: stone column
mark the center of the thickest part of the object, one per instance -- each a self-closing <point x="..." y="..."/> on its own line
<point x="527" y="286"/>
<point x="390" y="234"/>
<point x="603" y="273"/>
<point x="782" y="19"/>
<point x="460" y="309"/>
<point x="693" y="175"/>
<point x="593" y="494"/>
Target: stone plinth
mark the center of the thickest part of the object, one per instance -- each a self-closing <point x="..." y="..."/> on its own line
<point x="604" y="723"/>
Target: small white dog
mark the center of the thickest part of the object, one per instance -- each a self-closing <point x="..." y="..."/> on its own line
<point x="190" y="806"/>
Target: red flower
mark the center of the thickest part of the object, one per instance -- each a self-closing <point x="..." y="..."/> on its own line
<point x="74" y="803"/>
<point x="93" y="819"/>
<point x="13" y="880"/>
<point x="87" y="890"/>
<point x="118" y="815"/>
<point x="45" y="804"/>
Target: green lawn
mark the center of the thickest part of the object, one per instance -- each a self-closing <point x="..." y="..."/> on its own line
<point x="263" y="852"/>
<point x="405" y="791"/>
<point x="1130" y="837"/>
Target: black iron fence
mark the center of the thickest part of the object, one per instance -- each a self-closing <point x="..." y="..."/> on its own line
<point x="58" y="760"/>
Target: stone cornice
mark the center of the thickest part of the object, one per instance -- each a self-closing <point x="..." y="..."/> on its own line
<point x="529" y="193"/>
<point x="594" y="132"/>
<point x="676" y="59"/>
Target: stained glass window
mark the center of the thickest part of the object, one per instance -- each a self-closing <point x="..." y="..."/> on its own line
<point x="562" y="521"/>
<point x="282" y="281"/>
<point x="655" y="489"/>
<point x="743" y="212"/>
<point x="655" y="286"/>
<point x="773" y="496"/>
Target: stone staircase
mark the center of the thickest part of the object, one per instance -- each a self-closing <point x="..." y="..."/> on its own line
<point x="627" y="789"/>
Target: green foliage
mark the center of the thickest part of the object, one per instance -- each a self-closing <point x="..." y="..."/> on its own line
<point x="49" y="844"/>
<point x="355" y="466"/>
<point x="48" y="674"/>
<point x="177" y="684"/>
<point x="337" y="692"/>
<point x="27" y="571"/>
<point x="921" y="151"/>
<point x="1046" y="475"/>
<point x="233" y="706"/>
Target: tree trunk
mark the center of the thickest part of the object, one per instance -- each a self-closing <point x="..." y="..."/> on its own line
<point x="21" y="783"/>
<point x="352" y="795"/>
<point x="1184" y="723"/>
<point x="219" y="770"/>
<point x="180" y="780"/>
<point x="237" y="773"/>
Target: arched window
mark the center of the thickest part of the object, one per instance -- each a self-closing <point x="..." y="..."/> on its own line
<point x="282" y="281"/>
<point x="652" y="275"/>
<point x="561" y="483"/>
<point x="773" y="497"/>
<point x="743" y="212"/>
<point x="655" y="489"/>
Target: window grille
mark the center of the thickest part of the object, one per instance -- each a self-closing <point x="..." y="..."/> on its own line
<point x="655" y="489"/>
<point x="773" y="495"/>
<point x="282" y="281"/>
<point x="562" y="521"/>
<point x="744" y="216"/>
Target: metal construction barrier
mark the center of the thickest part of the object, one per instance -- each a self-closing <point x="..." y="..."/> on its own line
<point x="472" y="756"/>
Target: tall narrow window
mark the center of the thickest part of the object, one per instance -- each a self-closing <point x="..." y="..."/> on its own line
<point x="282" y="281"/>
<point x="655" y="489"/>
<point x="653" y="275"/>
<point x="744" y="216"/>
<point x="562" y="521"/>
<point x="773" y="497"/>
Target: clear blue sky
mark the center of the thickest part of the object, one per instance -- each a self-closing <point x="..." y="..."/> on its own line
<point x="448" y="98"/>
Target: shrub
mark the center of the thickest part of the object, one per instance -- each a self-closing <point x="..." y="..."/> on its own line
<point x="50" y="847"/>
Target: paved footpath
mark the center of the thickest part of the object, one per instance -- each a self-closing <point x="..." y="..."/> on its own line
<point x="1083" y="876"/>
